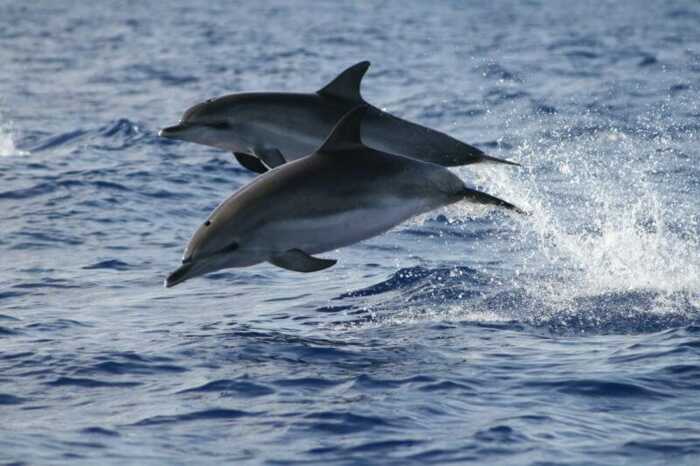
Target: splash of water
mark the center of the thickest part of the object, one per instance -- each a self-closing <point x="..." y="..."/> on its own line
<point x="611" y="214"/>
<point x="7" y="141"/>
<point x="611" y="243"/>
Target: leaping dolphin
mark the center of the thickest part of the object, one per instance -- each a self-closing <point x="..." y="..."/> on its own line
<point x="343" y="193"/>
<point x="265" y="129"/>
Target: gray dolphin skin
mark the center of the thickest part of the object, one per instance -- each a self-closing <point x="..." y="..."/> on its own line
<point x="343" y="193"/>
<point x="265" y="129"/>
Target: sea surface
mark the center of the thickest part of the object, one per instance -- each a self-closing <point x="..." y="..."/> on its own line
<point x="466" y="336"/>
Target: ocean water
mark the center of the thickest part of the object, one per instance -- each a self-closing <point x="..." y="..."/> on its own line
<point x="466" y="336"/>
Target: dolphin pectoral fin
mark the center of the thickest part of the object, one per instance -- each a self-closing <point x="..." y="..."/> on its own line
<point x="347" y="84"/>
<point x="482" y="198"/>
<point x="299" y="261"/>
<point x="250" y="162"/>
<point x="270" y="157"/>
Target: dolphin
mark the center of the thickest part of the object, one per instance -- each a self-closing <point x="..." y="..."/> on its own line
<point x="343" y="193"/>
<point x="266" y="129"/>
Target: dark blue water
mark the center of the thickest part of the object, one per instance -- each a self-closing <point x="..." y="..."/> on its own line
<point x="466" y="336"/>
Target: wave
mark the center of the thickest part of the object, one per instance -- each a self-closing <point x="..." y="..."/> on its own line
<point x="220" y="414"/>
<point x="7" y="399"/>
<point x="88" y="383"/>
<point x="242" y="388"/>
<point x="116" y="367"/>
<point x="117" y="135"/>
<point x="110" y="264"/>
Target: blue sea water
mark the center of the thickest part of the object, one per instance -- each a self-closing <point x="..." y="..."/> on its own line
<point x="466" y="336"/>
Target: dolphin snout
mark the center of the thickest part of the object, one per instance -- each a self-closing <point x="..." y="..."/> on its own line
<point x="180" y="275"/>
<point x="171" y="131"/>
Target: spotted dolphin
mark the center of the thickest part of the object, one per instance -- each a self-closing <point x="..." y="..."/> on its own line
<point x="266" y="129"/>
<point x="343" y="193"/>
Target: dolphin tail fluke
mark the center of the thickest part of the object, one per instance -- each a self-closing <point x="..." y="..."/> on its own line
<point x="478" y="197"/>
<point x="467" y="155"/>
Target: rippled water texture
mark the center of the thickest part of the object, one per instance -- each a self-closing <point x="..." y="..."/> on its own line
<point x="571" y="336"/>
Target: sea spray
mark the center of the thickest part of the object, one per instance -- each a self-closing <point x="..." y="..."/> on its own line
<point x="7" y="139"/>
<point x="611" y="240"/>
<point x="614" y="234"/>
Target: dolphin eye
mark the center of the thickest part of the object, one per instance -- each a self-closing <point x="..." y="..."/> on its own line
<point x="219" y="125"/>
<point x="230" y="248"/>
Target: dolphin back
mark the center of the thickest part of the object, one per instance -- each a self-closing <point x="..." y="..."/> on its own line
<point x="389" y="133"/>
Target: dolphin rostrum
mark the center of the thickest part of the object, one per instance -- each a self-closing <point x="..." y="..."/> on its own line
<point x="266" y="129"/>
<point x="343" y="193"/>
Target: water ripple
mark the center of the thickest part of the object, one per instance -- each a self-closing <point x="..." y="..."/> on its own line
<point x="205" y="415"/>
<point x="233" y="387"/>
<point x="88" y="383"/>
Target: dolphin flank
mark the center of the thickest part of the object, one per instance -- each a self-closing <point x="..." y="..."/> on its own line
<point x="343" y="193"/>
<point x="266" y="129"/>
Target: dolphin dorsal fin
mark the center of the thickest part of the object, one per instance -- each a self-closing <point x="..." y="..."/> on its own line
<point x="346" y="134"/>
<point x="347" y="84"/>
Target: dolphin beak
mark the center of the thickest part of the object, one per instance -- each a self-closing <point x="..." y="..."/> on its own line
<point x="180" y="275"/>
<point x="171" y="131"/>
